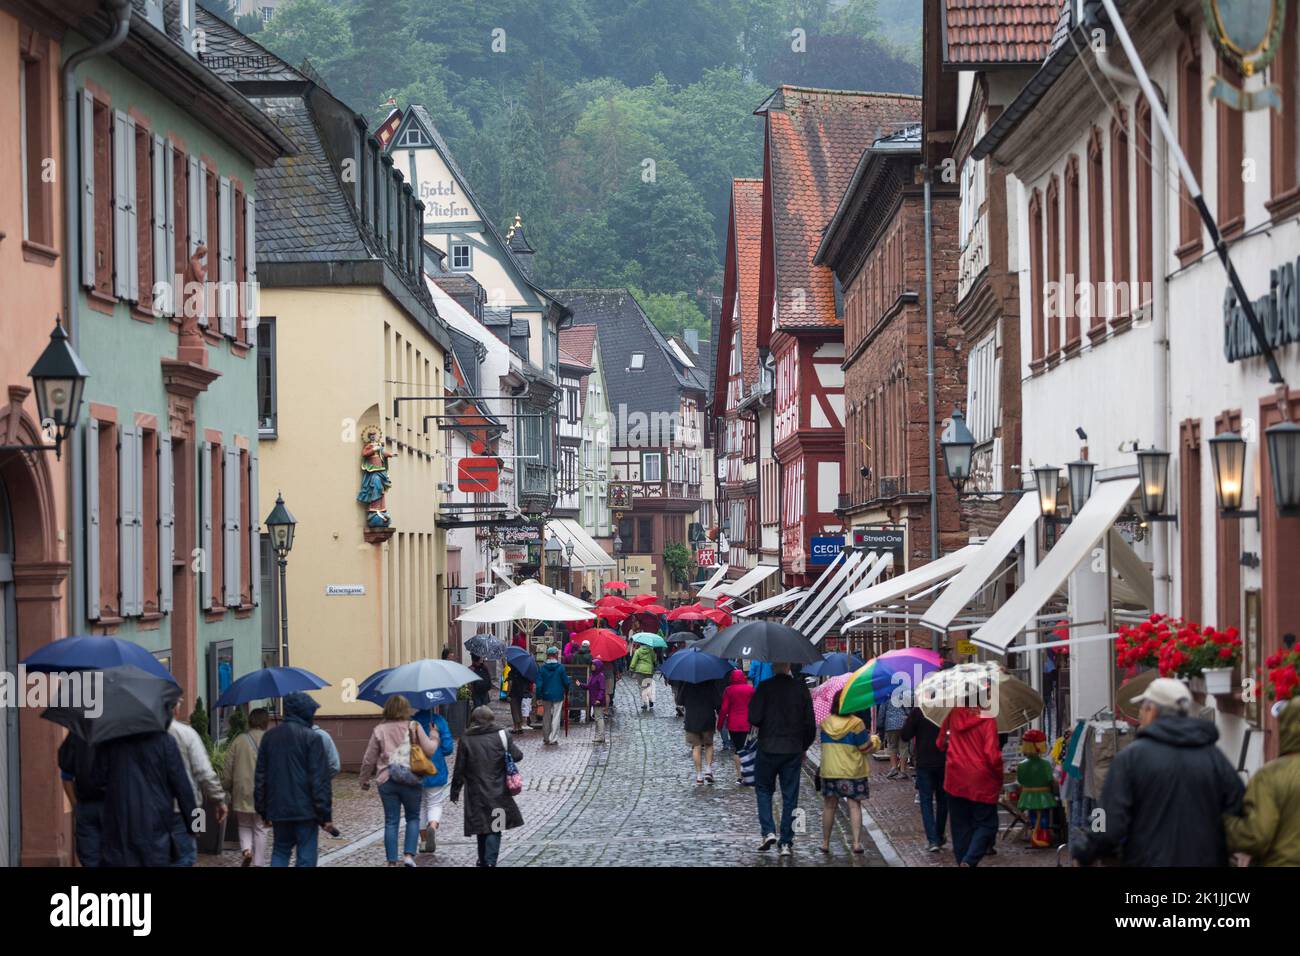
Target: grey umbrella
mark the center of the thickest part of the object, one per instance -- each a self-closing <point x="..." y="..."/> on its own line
<point x="128" y="701"/>
<point x="487" y="646"/>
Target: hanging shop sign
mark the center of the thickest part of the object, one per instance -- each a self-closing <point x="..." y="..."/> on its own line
<point x="1248" y="33"/>
<point x="1278" y="312"/>
<point x="879" y="539"/>
<point x="824" y="550"/>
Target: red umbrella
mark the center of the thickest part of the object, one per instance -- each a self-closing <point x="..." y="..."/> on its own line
<point x="612" y="615"/>
<point x="717" y="616"/>
<point x="605" y="644"/>
<point x="645" y="599"/>
<point x="613" y="600"/>
<point x="676" y="613"/>
<point x="652" y="609"/>
<point x="616" y="586"/>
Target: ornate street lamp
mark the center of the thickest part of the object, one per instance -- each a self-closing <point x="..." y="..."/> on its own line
<point x="58" y="379"/>
<point x="554" y="557"/>
<point x="1153" y="478"/>
<point x="568" y="552"/>
<point x="1284" y="463"/>
<point x="1228" y="456"/>
<point x="958" y="445"/>
<point x="1048" y="480"/>
<point x="280" y="525"/>
<point x="1080" y="475"/>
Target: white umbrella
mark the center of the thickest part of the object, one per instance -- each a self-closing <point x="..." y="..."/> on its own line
<point x="425" y="675"/>
<point x="530" y="602"/>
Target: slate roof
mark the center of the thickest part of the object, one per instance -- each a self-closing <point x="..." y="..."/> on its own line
<point x="814" y="141"/>
<point x="999" y="32"/>
<point x="747" y="210"/>
<point x="234" y="56"/>
<point x="623" y="328"/>
<point x="467" y="350"/>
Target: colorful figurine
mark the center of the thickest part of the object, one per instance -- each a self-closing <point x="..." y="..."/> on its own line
<point x="374" y="477"/>
<point x="1037" y="791"/>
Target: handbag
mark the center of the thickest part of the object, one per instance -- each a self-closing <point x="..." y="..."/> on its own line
<point x="399" y="766"/>
<point x="421" y="764"/>
<point x="514" y="779"/>
<point x="748" y="758"/>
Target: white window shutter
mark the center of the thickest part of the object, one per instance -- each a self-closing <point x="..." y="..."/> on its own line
<point x="158" y="193"/>
<point x="169" y="205"/>
<point x="87" y="190"/>
<point x="92" y="519"/>
<point x="250" y="269"/>
<point x="128" y="510"/>
<point x="230" y="525"/>
<point x="205" y="525"/>
<point x="120" y="183"/>
<point x="166" y="522"/>
<point x="132" y="218"/>
<point x="254" y="533"/>
<point x="226" y="256"/>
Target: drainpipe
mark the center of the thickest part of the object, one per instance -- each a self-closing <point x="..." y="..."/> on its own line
<point x="1161" y="570"/>
<point x="929" y="373"/>
<point x="120" y="13"/>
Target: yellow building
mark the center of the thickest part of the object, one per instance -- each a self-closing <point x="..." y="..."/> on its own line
<point x="348" y="332"/>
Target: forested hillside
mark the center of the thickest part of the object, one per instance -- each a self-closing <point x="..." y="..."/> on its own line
<point x="613" y="128"/>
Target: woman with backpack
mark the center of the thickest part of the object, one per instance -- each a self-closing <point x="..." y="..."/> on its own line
<point x="388" y="760"/>
<point x="484" y="775"/>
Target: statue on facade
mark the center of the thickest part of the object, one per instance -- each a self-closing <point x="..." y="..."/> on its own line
<point x="191" y="346"/>
<point x="374" y="477"/>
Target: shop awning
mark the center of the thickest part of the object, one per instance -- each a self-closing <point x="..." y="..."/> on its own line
<point x="772" y="603"/>
<point x="587" y="554"/>
<point x="503" y="577"/>
<point x="823" y="588"/>
<point x="710" y="588"/>
<point x="750" y="580"/>
<point x="1084" y="531"/>
<point x="1135" y="584"/>
<point x="939" y="570"/>
<point x="862" y="576"/>
<point x="981" y="569"/>
<point x="811" y="593"/>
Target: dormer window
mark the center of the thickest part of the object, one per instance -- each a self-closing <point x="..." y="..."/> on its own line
<point x="461" y="256"/>
<point x="638" y="361"/>
<point x="186" y="8"/>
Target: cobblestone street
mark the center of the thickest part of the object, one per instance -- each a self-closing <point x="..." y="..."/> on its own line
<point x="632" y="802"/>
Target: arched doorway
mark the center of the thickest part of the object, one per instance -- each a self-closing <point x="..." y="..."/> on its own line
<point x="10" y="795"/>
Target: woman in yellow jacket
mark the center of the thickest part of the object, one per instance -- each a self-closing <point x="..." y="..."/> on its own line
<point x="845" y="744"/>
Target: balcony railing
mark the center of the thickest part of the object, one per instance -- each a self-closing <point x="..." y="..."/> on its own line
<point x="536" y="487"/>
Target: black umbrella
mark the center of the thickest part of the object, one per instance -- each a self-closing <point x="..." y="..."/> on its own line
<point x="132" y="701"/>
<point x="760" y="641"/>
<point x="684" y="637"/>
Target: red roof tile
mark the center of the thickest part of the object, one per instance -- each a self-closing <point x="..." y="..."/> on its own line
<point x="985" y="32"/>
<point x="747" y="208"/>
<point x="815" y="139"/>
<point x="579" y="341"/>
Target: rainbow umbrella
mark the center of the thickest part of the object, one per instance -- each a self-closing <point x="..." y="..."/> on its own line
<point x="873" y="682"/>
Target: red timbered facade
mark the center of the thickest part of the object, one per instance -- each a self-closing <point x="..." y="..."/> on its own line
<point x="813" y="141"/>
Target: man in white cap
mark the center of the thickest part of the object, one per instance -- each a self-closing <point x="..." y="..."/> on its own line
<point x="1166" y="793"/>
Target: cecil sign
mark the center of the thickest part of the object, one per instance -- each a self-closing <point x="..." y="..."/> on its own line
<point x="824" y="550"/>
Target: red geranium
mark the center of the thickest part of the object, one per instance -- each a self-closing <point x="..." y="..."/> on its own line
<point x="1175" y="647"/>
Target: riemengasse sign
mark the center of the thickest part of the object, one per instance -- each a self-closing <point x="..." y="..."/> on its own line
<point x="1278" y="313"/>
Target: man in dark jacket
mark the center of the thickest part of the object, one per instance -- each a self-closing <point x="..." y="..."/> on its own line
<point x="84" y="780"/>
<point x="1166" y="793"/>
<point x="291" y="786"/>
<point x="553" y="683"/>
<point x="480" y="772"/>
<point x="145" y="782"/>
<point x="782" y="711"/>
<point x="700" y="703"/>
<point x="924" y="737"/>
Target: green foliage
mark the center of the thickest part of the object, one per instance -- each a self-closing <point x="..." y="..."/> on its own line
<point x="680" y="562"/>
<point x="315" y="30"/>
<point x="672" y="313"/>
<point x="199" y="721"/>
<point x="248" y="23"/>
<point x="236" y="724"/>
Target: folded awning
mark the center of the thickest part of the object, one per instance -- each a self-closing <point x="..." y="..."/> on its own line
<point x="710" y="588"/>
<point x="982" y="568"/>
<point x="750" y="580"/>
<point x="939" y="570"/>
<point x="1135" y="584"/>
<point x="813" y="591"/>
<point x="587" y="554"/>
<point x="824" y="588"/>
<point x="1083" y="532"/>
<point x="772" y="603"/>
<point x="503" y="576"/>
<point x="867" y="572"/>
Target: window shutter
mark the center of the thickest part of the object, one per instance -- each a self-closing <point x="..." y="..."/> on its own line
<point x="161" y="211"/>
<point x="129" y="527"/>
<point x="166" y="522"/>
<point x="88" y="195"/>
<point x="254" y="533"/>
<point x="226" y="260"/>
<point x="197" y="219"/>
<point x="205" y="524"/>
<point x="92" y="519"/>
<point x="132" y="222"/>
<point x="230" y="525"/>
<point x="169" y="186"/>
<point x="121" y="184"/>
<point x="250" y="269"/>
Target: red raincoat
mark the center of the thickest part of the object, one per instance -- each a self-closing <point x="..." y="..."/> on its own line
<point x="974" y="766"/>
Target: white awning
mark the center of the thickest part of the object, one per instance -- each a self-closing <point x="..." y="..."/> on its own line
<point x="1084" y="531"/>
<point x="772" y="603"/>
<point x="812" y="592"/>
<point x="984" y="565"/>
<point x="751" y="579"/>
<point x="1135" y="584"/>
<point x="503" y="576"/>
<point x="824" y="587"/>
<point x="871" y="568"/>
<point x="587" y="554"/>
<point x="710" y="586"/>
<point x="941" y="569"/>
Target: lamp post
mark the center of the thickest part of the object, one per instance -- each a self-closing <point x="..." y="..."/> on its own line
<point x="1080" y="473"/>
<point x="554" y="553"/>
<point x="618" y="553"/>
<point x="568" y="552"/>
<point x="58" y="379"/>
<point x="280" y="524"/>
<point x="958" y="447"/>
<point x="1228" y="456"/>
<point x="1048" y="480"/>
<point x="1284" y="463"/>
<point x="1153" y="480"/>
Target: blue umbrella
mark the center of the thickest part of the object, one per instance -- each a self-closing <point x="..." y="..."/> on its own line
<point x="94" y="653"/>
<point x="422" y="675"/>
<point x="420" y="700"/>
<point x="269" y="682"/>
<point x="832" y="665"/>
<point x="523" y="662"/>
<point x="693" y="666"/>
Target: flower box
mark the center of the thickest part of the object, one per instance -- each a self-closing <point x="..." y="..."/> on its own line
<point x="1218" y="680"/>
<point x="1178" y="648"/>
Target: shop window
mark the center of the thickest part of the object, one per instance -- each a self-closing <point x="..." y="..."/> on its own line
<point x="1230" y="125"/>
<point x="1190" y="91"/>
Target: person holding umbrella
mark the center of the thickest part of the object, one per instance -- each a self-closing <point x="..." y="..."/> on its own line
<point x="238" y="779"/>
<point x="973" y="774"/>
<point x="395" y="733"/>
<point x="203" y="781"/>
<point x="733" y="715"/>
<point x="597" y="697"/>
<point x="291" y="785"/>
<point x="782" y="710"/>
<point x="553" y="684"/>
<point x="643" y="667"/>
<point x="520" y="689"/>
<point x="148" y="800"/>
<point x="845" y="743"/>
<point x="433" y="788"/>
<point x="700" y="703"/>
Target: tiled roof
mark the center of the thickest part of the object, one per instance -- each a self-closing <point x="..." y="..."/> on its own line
<point x="747" y="206"/>
<point x="987" y="32"/>
<point x="580" y="342"/>
<point x="815" y="139"/>
<point x="234" y="56"/>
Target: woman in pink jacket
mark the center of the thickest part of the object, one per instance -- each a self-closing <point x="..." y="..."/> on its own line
<point x="395" y="730"/>
<point x="733" y="717"/>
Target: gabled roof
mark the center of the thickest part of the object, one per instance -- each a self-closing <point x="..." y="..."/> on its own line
<point x="814" y="141"/>
<point x="579" y="341"/>
<point x="747" y="209"/>
<point x="622" y="328"/>
<point x="998" y="32"/>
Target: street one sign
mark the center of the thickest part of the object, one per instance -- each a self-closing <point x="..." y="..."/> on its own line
<point x="879" y="539"/>
<point x="825" y="549"/>
<point x="477" y="475"/>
